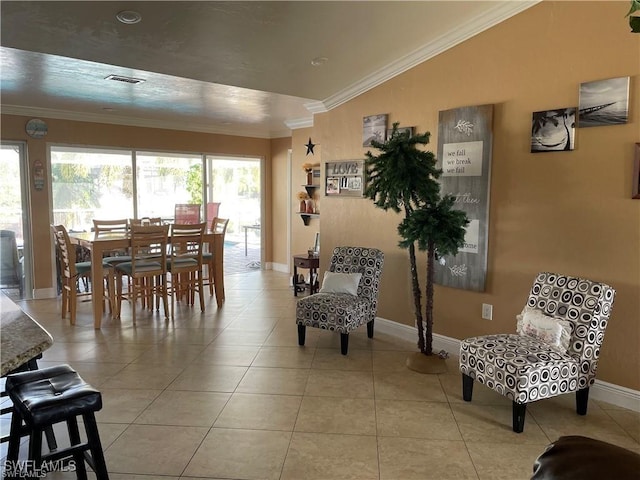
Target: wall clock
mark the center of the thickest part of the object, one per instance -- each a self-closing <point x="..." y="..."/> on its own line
<point x="36" y="128"/>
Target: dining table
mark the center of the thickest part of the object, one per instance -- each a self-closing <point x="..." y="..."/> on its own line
<point x="121" y="241"/>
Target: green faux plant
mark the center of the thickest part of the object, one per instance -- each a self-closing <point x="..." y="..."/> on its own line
<point x="634" y="21"/>
<point x="405" y="178"/>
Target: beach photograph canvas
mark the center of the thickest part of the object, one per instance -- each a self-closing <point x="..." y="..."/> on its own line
<point x="604" y="102"/>
<point x="553" y="130"/>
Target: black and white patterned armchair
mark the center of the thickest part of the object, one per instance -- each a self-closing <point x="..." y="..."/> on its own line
<point x="555" y="351"/>
<point x="348" y="297"/>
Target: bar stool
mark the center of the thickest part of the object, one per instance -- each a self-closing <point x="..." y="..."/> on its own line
<point x="42" y="398"/>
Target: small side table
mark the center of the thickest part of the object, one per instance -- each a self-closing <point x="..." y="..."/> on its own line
<point x="310" y="263"/>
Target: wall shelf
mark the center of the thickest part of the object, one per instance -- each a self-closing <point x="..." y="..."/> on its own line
<point x="310" y="189"/>
<point x="308" y="216"/>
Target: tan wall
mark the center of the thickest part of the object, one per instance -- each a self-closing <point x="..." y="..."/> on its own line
<point x="280" y="182"/>
<point x="104" y="135"/>
<point x="565" y="212"/>
<point x="303" y="237"/>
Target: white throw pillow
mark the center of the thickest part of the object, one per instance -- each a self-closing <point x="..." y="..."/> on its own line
<point x="550" y="330"/>
<point x="340" y="283"/>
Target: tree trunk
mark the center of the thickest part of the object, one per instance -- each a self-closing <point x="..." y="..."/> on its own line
<point x="417" y="294"/>
<point x="431" y="256"/>
<point x="417" y="297"/>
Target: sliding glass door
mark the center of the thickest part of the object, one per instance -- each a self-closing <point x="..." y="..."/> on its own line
<point x="15" y="251"/>
<point x="166" y="180"/>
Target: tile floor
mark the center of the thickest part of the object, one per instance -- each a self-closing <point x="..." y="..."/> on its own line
<point x="228" y="394"/>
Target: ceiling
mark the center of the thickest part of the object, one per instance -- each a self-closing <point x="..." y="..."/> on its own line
<point x="239" y="68"/>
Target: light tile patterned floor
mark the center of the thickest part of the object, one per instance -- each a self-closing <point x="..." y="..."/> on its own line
<point x="228" y="394"/>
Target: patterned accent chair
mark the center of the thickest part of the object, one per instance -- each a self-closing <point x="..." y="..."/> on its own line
<point x="343" y="312"/>
<point x="525" y="368"/>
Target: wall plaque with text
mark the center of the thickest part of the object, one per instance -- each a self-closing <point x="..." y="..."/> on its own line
<point x="464" y="155"/>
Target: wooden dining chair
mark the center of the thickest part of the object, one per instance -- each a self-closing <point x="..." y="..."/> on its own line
<point x="71" y="271"/>
<point x="185" y="263"/>
<point x="146" y="221"/>
<point x="147" y="268"/>
<point x="218" y="225"/>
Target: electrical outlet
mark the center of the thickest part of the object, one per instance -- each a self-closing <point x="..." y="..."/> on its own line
<point x="487" y="311"/>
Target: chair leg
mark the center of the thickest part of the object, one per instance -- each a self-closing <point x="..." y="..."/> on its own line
<point x="582" y="399"/>
<point x="344" y="343"/>
<point x="302" y="330"/>
<point x="467" y="387"/>
<point x="519" y="412"/>
<point x="370" y="329"/>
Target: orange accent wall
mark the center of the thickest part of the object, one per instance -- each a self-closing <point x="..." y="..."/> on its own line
<point x="570" y="212"/>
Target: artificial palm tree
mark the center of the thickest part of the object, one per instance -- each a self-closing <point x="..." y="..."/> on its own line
<point x="404" y="178"/>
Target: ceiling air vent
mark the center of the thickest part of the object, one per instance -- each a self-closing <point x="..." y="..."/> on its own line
<point x="120" y="78"/>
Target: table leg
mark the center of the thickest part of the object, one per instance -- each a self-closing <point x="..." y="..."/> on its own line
<point x="218" y="267"/>
<point x="245" y="240"/>
<point x="295" y="280"/>
<point x="313" y="278"/>
<point x="97" y="284"/>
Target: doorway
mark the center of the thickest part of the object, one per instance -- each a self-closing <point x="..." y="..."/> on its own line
<point x="15" y="242"/>
<point x="236" y="184"/>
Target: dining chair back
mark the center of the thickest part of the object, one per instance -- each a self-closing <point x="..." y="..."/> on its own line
<point x="108" y="228"/>
<point x="146" y="221"/>
<point x="213" y="209"/>
<point x="69" y="271"/>
<point x="147" y="267"/>
<point x="186" y="213"/>
<point x="218" y="225"/>
<point x="185" y="263"/>
<point x="10" y="266"/>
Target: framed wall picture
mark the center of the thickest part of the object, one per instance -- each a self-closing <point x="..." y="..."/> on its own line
<point x="635" y="188"/>
<point x="374" y="127"/>
<point x="345" y="178"/>
<point x="408" y="130"/>
<point x="604" y="102"/>
<point x="553" y="130"/>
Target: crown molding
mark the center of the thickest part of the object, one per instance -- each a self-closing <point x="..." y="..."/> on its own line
<point x="492" y="17"/>
<point x="295" y="123"/>
<point x="142" y="122"/>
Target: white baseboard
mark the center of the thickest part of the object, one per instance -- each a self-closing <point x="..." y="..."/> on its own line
<point x="602" y="391"/>
<point x="44" y="293"/>
<point x="280" y="267"/>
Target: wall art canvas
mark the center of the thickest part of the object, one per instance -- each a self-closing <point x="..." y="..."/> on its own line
<point x="464" y="155"/>
<point x="604" y="102"/>
<point x="408" y="130"/>
<point x="374" y="127"/>
<point x="553" y="130"/>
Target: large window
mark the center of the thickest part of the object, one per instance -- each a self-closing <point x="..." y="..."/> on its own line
<point x="164" y="180"/>
<point x="90" y="183"/>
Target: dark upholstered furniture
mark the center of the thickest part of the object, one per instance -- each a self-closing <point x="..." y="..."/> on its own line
<point x="583" y="458"/>
<point x="42" y="398"/>
<point x="525" y="368"/>
<point x="344" y="312"/>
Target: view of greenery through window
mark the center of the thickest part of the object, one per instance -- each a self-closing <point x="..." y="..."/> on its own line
<point x="10" y="196"/>
<point x="99" y="183"/>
